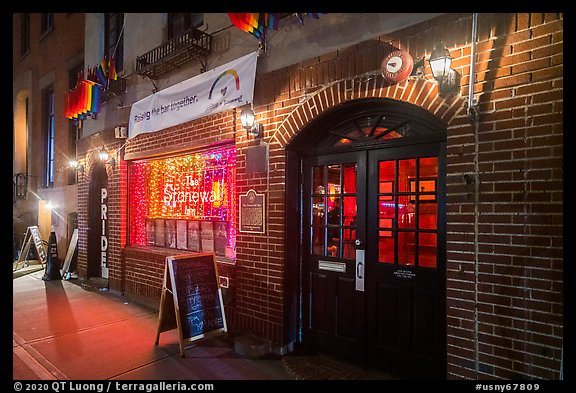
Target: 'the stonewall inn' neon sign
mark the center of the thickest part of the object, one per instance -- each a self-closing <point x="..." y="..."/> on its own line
<point x="198" y="186"/>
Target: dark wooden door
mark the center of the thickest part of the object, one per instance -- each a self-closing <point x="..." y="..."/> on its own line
<point x="373" y="266"/>
<point x="405" y="324"/>
<point x="333" y="218"/>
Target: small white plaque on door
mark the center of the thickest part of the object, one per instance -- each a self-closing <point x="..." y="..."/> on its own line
<point x="332" y="266"/>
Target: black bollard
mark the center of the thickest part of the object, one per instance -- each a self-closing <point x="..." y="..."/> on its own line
<point x="52" y="263"/>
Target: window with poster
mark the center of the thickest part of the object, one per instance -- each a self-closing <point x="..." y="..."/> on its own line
<point x="185" y="202"/>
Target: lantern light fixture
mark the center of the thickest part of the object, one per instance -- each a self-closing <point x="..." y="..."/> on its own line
<point x="103" y="154"/>
<point x="76" y="167"/>
<point x="105" y="157"/>
<point x="248" y="122"/>
<point x="440" y="63"/>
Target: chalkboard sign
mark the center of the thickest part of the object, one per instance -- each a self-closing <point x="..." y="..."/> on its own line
<point x="70" y="253"/>
<point x="191" y="298"/>
<point x="32" y="238"/>
<point x="35" y="233"/>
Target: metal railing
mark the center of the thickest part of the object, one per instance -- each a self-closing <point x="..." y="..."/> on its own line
<point x="173" y="54"/>
<point x="114" y="88"/>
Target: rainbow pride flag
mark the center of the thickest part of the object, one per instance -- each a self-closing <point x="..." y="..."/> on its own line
<point x="83" y="100"/>
<point x="254" y="23"/>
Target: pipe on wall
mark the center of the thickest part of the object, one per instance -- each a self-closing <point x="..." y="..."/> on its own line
<point x="472" y="111"/>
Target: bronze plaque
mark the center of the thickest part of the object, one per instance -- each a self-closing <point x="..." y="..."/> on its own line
<point x="252" y="212"/>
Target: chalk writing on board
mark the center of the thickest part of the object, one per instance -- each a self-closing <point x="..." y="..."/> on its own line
<point x="191" y="298"/>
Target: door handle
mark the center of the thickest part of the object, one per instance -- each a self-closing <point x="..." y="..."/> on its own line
<point x="360" y="270"/>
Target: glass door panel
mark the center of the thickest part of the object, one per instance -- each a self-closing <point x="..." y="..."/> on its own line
<point x="386" y="246"/>
<point x="428" y="215"/>
<point x="406" y="174"/>
<point x="407" y="211"/>
<point x="334" y="207"/>
<point x="427" y="249"/>
<point x="350" y="179"/>
<point x="318" y="181"/>
<point x="332" y="306"/>
<point x="318" y="241"/>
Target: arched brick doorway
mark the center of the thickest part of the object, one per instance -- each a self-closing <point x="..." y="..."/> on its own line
<point x="370" y="284"/>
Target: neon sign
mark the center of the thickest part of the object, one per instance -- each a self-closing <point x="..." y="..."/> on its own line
<point x="193" y="187"/>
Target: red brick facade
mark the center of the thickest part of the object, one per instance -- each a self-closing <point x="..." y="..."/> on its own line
<point x="504" y="267"/>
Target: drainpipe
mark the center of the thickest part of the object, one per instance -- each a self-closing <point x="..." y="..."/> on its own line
<point x="562" y="364"/>
<point x="472" y="110"/>
<point x="473" y="118"/>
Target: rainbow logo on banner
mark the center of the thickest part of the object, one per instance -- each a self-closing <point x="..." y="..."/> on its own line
<point x="225" y="89"/>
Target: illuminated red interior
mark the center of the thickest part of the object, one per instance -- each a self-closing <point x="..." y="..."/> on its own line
<point x="407" y="198"/>
<point x="196" y="187"/>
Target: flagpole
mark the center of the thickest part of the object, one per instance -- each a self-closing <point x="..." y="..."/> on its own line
<point x="119" y="36"/>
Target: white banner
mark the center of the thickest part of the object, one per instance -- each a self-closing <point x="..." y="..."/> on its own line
<point x="228" y="86"/>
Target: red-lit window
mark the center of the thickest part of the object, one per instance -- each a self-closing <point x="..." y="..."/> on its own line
<point x="333" y="205"/>
<point x="408" y="212"/>
<point x="185" y="202"/>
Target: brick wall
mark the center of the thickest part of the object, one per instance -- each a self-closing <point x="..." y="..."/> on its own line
<point x="145" y="273"/>
<point x="504" y="184"/>
<point x="505" y="265"/>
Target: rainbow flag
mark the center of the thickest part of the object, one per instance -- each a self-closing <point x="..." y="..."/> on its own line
<point x="95" y="104"/>
<point x="272" y="21"/>
<point x="112" y="74"/>
<point x="102" y="71"/>
<point x="83" y="100"/>
<point x="254" y="23"/>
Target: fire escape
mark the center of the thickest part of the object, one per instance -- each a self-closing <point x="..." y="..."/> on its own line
<point x="187" y="47"/>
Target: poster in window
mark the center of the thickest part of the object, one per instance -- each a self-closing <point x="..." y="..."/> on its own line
<point x="171" y="233"/>
<point x="220" y="237"/>
<point x="181" y="234"/>
<point x="160" y="241"/>
<point x="150" y="235"/>
<point x="194" y="236"/>
<point x="207" y="236"/>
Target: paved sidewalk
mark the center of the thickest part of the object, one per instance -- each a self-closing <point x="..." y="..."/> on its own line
<point x="63" y="331"/>
<point x="26" y="267"/>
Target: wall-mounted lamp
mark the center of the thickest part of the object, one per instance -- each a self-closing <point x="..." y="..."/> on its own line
<point x="103" y="154"/>
<point x="252" y="127"/>
<point x="440" y="63"/>
<point x="105" y="157"/>
<point x="76" y="167"/>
